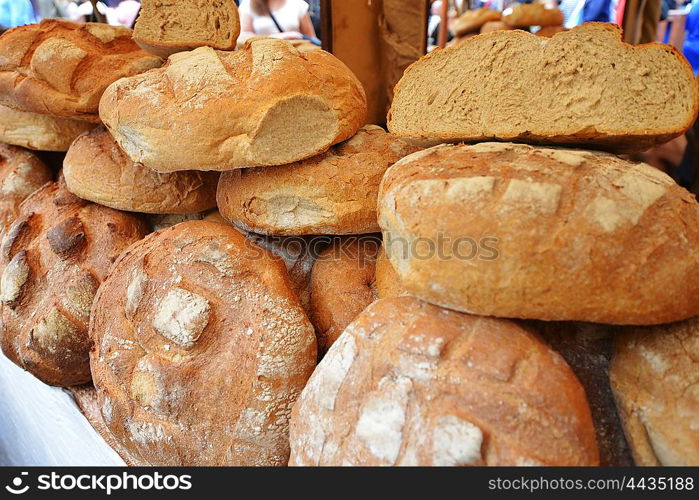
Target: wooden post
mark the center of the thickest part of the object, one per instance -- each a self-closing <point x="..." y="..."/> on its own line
<point x="98" y="15"/>
<point x="443" y="28"/>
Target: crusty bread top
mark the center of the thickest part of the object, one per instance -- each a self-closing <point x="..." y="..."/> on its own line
<point x="655" y="376"/>
<point x="96" y="169"/>
<point x="61" y="68"/>
<point x="472" y="20"/>
<point x="164" y="27"/>
<point x="583" y="86"/>
<point x="267" y="104"/>
<point x="532" y="14"/>
<point x="409" y="383"/>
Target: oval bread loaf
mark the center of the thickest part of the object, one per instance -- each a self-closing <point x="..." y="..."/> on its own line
<point x="331" y="193"/>
<point x="52" y="260"/>
<point x="532" y="14"/>
<point x="96" y="169"/>
<point x="201" y="348"/>
<point x="267" y="104"/>
<point x="40" y="132"/>
<point x="512" y="230"/>
<point x="472" y="20"/>
<point x="61" y="68"/>
<point x="583" y="86"/>
<point x="656" y="382"/>
<point x="409" y="383"/>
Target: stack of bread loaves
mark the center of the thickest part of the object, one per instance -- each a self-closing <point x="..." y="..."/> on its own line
<point x="267" y="192"/>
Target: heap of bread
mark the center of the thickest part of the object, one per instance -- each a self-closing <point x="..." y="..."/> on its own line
<point x="209" y="255"/>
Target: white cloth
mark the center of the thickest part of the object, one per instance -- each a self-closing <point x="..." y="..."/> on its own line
<point x="289" y="16"/>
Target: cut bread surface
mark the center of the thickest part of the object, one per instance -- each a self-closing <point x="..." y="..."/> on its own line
<point x="583" y="86"/>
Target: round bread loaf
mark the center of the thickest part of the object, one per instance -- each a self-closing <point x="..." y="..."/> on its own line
<point x="409" y="383"/>
<point x="387" y="280"/>
<point x="96" y="169"/>
<point x="472" y="20"/>
<point x="655" y="378"/>
<point x="342" y="285"/>
<point x="532" y="14"/>
<point x="331" y="193"/>
<point x="267" y="104"/>
<point x="61" y="68"/>
<point x="516" y="231"/>
<point x="52" y="259"/>
<point x="201" y="349"/>
<point x="40" y="132"/>
<point x="21" y="173"/>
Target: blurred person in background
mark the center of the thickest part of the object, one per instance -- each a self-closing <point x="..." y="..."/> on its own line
<point x="16" y="13"/>
<point x="117" y="12"/>
<point x="287" y="19"/>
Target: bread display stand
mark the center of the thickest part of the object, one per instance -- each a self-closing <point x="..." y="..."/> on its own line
<point x="33" y="414"/>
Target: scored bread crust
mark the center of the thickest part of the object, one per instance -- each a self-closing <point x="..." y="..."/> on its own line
<point x="549" y="233"/>
<point x="655" y="375"/>
<point x="331" y="193"/>
<point x="39" y="132"/>
<point x="409" y="383"/>
<point x="200" y="349"/>
<point x="532" y="14"/>
<point x="52" y="260"/>
<point x="158" y="44"/>
<point x="562" y="76"/>
<point x="342" y="284"/>
<point x="267" y="104"/>
<point x="96" y="169"/>
<point x="61" y="68"/>
<point x="472" y="20"/>
<point x="21" y="173"/>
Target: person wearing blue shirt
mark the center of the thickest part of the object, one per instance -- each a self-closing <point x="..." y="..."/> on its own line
<point x="16" y="13"/>
<point x="691" y="42"/>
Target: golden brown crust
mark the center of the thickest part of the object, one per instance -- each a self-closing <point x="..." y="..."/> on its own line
<point x="39" y="132"/>
<point x="342" y="285"/>
<point x="387" y="280"/>
<point x="550" y="234"/>
<point x="408" y="383"/>
<point x="52" y="260"/>
<point x="21" y="173"/>
<point x="267" y="104"/>
<point x="96" y="169"/>
<point x="494" y="26"/>
<point x="331" y="193"/>
<point x="472" y="20"/>
<point x="532" y="14"/>
<point x="201" y="348"/>
<point x="61" y="68"/>
<point x="549" y="31"/>
<point x="655" y="376"/>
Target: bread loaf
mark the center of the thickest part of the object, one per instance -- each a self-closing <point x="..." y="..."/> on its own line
<point x="584" y="86"/>
<point x="21" y="173"/>
<point x="164" y="221"/>
<point x="331" y="193"/>
<point x="387" y="280"/>
<point x="494" y="26"/>
<point x="549" y="31"/>
<point x="201" y="349"/>
<point x="96" y="169"/>
<point x="532" y="14"/>
<point x="587" y="348"/>
<point x="472" y="20"/>
<point x="342" y="285"/>
<point x="409" y="383"/>
<point x="164" y="27"/>
<point x="61" y="68"/>
<point x="512" y="230"/>
<point x="52" y="260"/>
<point x="41" y="132"/>
<point x="267" y="104"/>
<point x="655" y="379"/>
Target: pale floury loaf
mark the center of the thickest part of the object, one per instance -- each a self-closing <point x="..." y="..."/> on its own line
<point x="331" y="193"/>
<point x="40" y="132"/>
<point x="655" y="376"/>
<point x="61" y="68"/>
<point x="512" y="230"/>
<point x="96" y="169"/>
<point x="52" y="260"/>
<point x="409" y="383"/>
<point x="267" y="104"/>
<point x="201" y="349"/>
<point x="583" y="86"/>
<point x="164" y="27"/>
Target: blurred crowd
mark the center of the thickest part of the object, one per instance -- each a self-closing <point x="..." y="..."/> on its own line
<point x="18" y="12"/>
